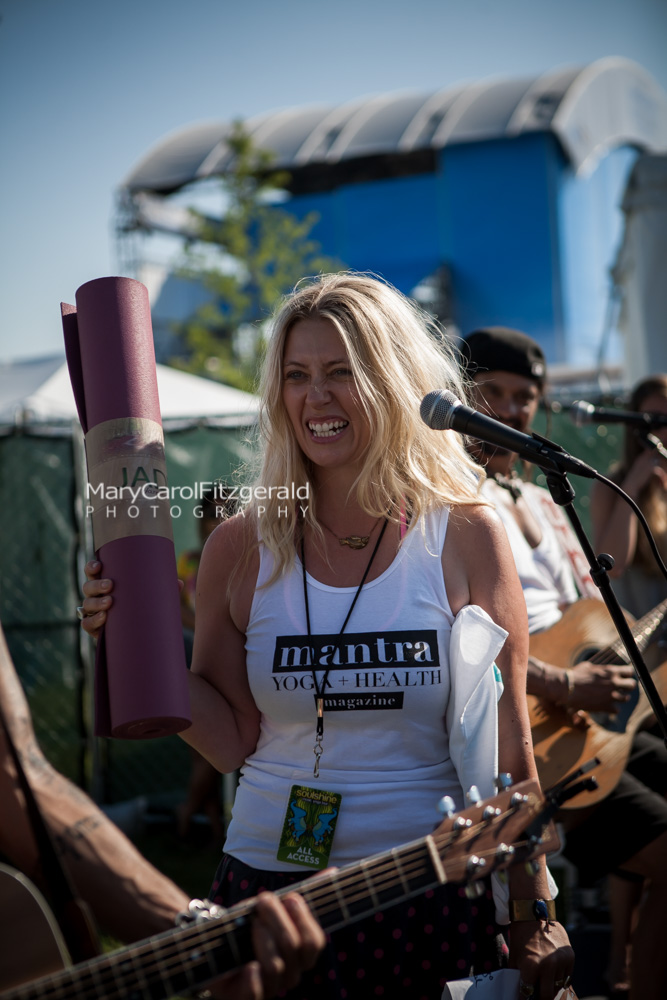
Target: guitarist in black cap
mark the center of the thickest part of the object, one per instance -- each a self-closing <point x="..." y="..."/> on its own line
<point x="625" y="835"/>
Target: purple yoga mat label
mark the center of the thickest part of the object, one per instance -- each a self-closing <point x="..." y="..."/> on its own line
<point x="126" y="493"/>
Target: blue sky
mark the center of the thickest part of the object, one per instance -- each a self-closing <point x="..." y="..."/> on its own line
<point x="88" y="86"/>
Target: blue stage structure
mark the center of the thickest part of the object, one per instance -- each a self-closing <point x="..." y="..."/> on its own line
<point x="499" y="201"/>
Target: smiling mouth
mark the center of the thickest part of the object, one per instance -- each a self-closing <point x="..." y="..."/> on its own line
<point x="328" y="429"/>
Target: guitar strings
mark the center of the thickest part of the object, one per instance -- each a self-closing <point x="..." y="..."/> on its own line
<point x="199" y="937"/>
<point x="644" y="628"/>
<point x="389" y="867"/>
<point x="128" y="976"/>
<point x="205" y="939"/>
<point x="189" y="951"/>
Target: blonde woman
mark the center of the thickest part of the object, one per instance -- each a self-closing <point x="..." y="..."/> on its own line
<point x="335" y="618"/>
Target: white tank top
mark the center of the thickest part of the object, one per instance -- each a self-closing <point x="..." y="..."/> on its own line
<point x="545" y="573"/>
<point x="385" y="743"/>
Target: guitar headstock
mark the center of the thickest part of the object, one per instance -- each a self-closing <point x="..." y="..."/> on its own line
<point x="492" y="834"/>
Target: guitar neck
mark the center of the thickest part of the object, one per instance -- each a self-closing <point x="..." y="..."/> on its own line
<point x="643" y="632"/>
<point x="182" y="960"/>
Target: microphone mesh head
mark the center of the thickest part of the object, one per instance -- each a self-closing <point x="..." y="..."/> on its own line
<point x="437" y="407"/>
<point x="581" y="413"/>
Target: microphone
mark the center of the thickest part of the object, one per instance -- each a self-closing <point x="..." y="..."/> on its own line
<point x="583" y="413"/>
<point x="441" y="411"/>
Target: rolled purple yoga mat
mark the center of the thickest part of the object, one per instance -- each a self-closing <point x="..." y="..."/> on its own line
<point x="141" y="684"/>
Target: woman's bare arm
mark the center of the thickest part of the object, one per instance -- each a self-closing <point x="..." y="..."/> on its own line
<point x="615" y="524"/>
<point x="479" y="569"/>
<point x="225" y="718"/>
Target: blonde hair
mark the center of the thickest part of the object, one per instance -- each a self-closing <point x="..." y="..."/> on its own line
<point x="397" y="355"/>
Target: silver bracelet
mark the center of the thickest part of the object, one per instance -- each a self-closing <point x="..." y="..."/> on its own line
<point x="198" y="911"/>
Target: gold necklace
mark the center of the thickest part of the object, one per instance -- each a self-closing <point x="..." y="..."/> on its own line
<point x="352" y="541"/>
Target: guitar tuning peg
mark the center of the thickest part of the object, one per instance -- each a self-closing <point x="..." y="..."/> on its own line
<point x="503" y="852"/>
<point x="460" y="824"/>
<point x="504" y="781"/>
<point x="490" y="813"/>
<point x="518" y="800"/>
<point x="473" y="796"/>
<point x="474" y="865"/>
<point x="474" y="890"/>
<point x="446" y="806"/>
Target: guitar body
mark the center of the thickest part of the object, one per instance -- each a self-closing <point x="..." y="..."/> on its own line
<point x="31" y="938"/>
<point x="584" y="629"/>
<point x="561" y="747"/>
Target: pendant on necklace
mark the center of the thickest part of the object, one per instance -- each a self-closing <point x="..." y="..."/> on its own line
<point x="355" y="541"/>
<point x="318" y="749"/>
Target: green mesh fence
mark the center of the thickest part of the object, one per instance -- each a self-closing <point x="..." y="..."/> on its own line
<point x="38" y="592"/>
<point x="43" y="547"/>
<point x="595" y="444"/>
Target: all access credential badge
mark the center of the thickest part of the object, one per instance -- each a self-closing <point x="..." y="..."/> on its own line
<point x="308" y="830"/>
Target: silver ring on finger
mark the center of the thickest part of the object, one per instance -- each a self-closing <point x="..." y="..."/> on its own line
<point x="81" y="614"/>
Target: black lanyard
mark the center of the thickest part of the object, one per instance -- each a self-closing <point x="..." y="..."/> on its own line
<point x="319" y="688"/>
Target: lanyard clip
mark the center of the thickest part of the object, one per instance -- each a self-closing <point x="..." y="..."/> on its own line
<point x="318" y="751"/>
<point x="319" y="735"/>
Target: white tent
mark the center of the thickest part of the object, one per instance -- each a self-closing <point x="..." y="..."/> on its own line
<point x="639" y="272"/>
<point x="38" y="391"/>
<point x="45" y="538"/>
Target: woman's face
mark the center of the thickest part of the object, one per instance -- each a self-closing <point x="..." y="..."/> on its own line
<point x="321" y="397"/>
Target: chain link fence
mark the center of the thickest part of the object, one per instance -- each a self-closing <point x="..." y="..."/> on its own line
<point x="38" y="591"/>
<point x="44" y="541"/>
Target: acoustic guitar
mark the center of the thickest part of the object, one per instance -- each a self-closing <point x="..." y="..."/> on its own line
<point x="514" y="826"/>
<point x="587" y="632"/>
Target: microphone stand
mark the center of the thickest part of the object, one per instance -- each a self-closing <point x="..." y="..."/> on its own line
<point x="563" y="494"/>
